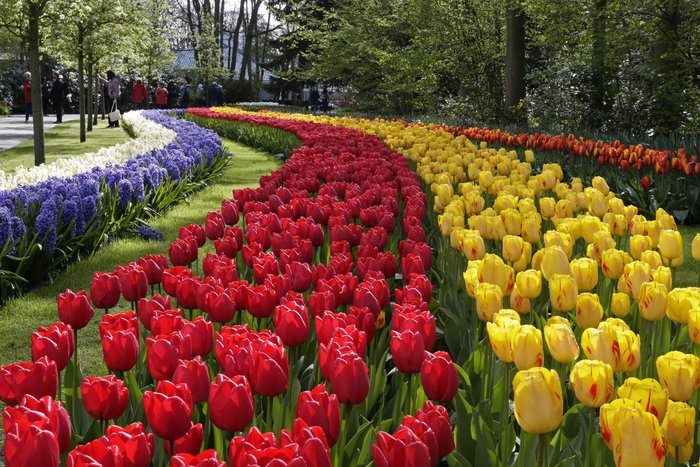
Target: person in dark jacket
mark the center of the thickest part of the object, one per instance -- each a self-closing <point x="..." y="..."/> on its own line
<point x="58" y="95"/>
<point x="46" y="95"/>
<point x="185" y="94"/>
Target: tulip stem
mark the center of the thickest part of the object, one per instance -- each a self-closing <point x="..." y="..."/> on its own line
<point x="505" y="414"/>
<point x="589" y="438"/>
<point x="542" y="450"/>
<point x="219" y="442"/>
<point x="74" y="400"/>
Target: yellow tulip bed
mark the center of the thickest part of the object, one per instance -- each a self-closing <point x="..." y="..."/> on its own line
<point x="557" y="301"/>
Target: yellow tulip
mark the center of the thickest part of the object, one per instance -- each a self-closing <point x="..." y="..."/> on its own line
<point x="494" y="271"/>
<point x="527" y="347"/>
<point x="638" y="441"/>
<point x="532" y="229"/>
<point x="630" y="212"/>
<point x="485" y="179"/>
<point x="630" y="345"/>
<point x="679" y="424"/>
<point x="519" y="302"/>
<point x="678" y="262"/>
<point x="529" y="156"/>
<point x="638" y="245"/>
<point x="679" y="373"/>
<point x="480" y="224"/>
<point x="603" y="241"/>
<point x="474" y="203"/>
<point x="592" y="381"/>
<point x="652" y="301"/>
<point x="682" y="454"/>
<point x="617" y="223"/>
<point x="489" y="299"/>
<point x="694" y="325"/>
<point x="666" y="221"/>
<point x="670" y="244"/>
<point x="648" y="393"/>
<point x="589" y="226"/>
<point x="561" y="341"/>
<point x="612" y="263"/>
<point x="554" y="261"/>
<point x="501" y="336"/>
<point x="512" y="220"/>
<point x="695" y="247"/>
<point x="562" y="292"/>
<point x="636" y="273"/>
<point x="589" y="311"/>
<point x="547" y="207"/>
<point x="601" y="185"/>
<point x="529" y="283"/>
<point x="512" y="248"/>
<point x="680" y="303"/>
<point x="616" y="205"/>
<point x="653" y="230"/>
<point x="663" y="275"/>
<point x="598" y="205"/>
<point x="612" y="413"/>
<point x="585" y="272"/>
<point x="537" y="400"/>
<point x="554" y="238"/>
<point x="472" y="245"/>
<point x="620" y="304"/>
<point x="652" y="258"/>
<point x="524" y="261"/>
<point x="505" y="315"/>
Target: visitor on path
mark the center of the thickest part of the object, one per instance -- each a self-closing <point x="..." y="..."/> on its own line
<point x="162" y="96"/>
<point x="314" y="99"/>
<point x="200" y="95"/>
<point x="27" y="88"/>
<point x="58" y="95"/>
<point x="324" y="100"/>
<point x="214" y="98"/>
<point x="185" y="94"/>
<point x="46" y="95"/>
<point x="139" y="94"/>
<point x="220" y="93"/>
<point x="113" y="84"/>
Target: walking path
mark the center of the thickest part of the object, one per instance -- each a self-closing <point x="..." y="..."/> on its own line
<point x="13" y="130"/>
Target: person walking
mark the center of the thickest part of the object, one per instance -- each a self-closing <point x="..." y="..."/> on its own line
<point x="139" y="94"/>
<point x="113" y="84"/>
<point x="199" y="95"/>
<point x="185" y="94"/>
<point x="58" y="95"/>
<point x="162" y="96"/>
<point x="46" y="95"/>
<point x="27" y="89"/>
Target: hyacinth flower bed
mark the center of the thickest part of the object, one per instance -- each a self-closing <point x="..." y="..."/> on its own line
<point x="281" y="348"/>
<point x="558" y="306"/>
<point x="53" y="214"/>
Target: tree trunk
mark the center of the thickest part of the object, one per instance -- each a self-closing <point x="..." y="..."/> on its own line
<point x="248" y="47"/>
<point x="668" y="94"/>
<point x="90" y="95"/>
<point x="236" y="33"/>
<point x="35" y="70"/>
<point x="96" y="109"/>
<point x="598" y="69"/>
<point x="81" y="83"/>
<point x="515" y="55"/>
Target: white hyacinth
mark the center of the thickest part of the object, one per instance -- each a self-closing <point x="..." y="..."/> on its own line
<point x="149" y="135"/>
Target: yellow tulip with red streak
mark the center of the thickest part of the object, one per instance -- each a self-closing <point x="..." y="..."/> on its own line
<point x="537" y="400"/>
<point x="648" y="393"/>
<point x="679" y="374"/>
<point x="592" y="381"/>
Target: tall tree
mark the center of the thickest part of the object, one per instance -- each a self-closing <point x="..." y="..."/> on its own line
<point x="24" y="20"/>
<point x="515" y="55"/>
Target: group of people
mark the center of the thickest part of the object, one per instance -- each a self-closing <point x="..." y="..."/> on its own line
<point x="319" y="101"/>
<point x="54" y="93"/>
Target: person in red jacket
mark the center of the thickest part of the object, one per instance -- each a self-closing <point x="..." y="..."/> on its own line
<point x="139" y="94"/>
<point x="27" y="88"/>
<point x="162" y="96"/>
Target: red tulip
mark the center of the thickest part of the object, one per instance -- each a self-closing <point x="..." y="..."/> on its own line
<point x="133" y="283"/>
<point x="231" y="403"/>
<point x="153" y="266"/>
<point x="146" y="308"/>
<point x="268" y="369"/>
<point x="172" y="277"/>
<point x="37" y="379"/>
<point x="318" y="408"/>
<point x="425" y="434"/>
<point x="55" y="342"/>
<point x="421" y="322"/>
<point x="404" y="449"/>
<point x="164" y="352"/>
<point x="166" y="322"/>
<point x="220" y="307"/>
<point x="439" y="376"/>
<point x="75" y="309"/>
<point x="261" y="301"/>
<point x="264" y="265"/>
<point x="364" y="320"/>
<point x="119" y="322"/>
<point x="321" y="301"/>
<point x="328" y="321"/>
<point x="195" y="231"/>
<point x="349" y="378"/>
<point x="104" y="291"/>
<point x="99" y="452"/>
<point x="300" y="275"/>
<point x="201" y="332"/>
<point x="191" y="442"/>
<point x="437" y="418"/>
<point x="313" y="446"/>
<point x="135" y="446"/>
<point x="59" y="420"/>
<point x="169" y="417"/>
<point x="258" y="448"/>
<point x="412" y="264"/>
<point x="292" y="321"/>
<point x="194" y="373"/>
<point x="646" y="182"/>
<point x="229" y="209"/>
<point x="120" y="350"/>
<point x="214" y="225"/>
<point x="31" y="446"/>
<point x="104" y="398"/>
<point x="180" y="252"/>
<point x="407" y="351"/>
<point x="226" y="246"/>
<point x="186" y="293"/>
<point x="208" y="458"/>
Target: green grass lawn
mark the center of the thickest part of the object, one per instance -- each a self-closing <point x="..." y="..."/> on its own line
<point x="63" y="141"/>
<point x="20" y="317"/>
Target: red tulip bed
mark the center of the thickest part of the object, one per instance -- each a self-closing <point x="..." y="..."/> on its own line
<point x="303" y="339"/>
